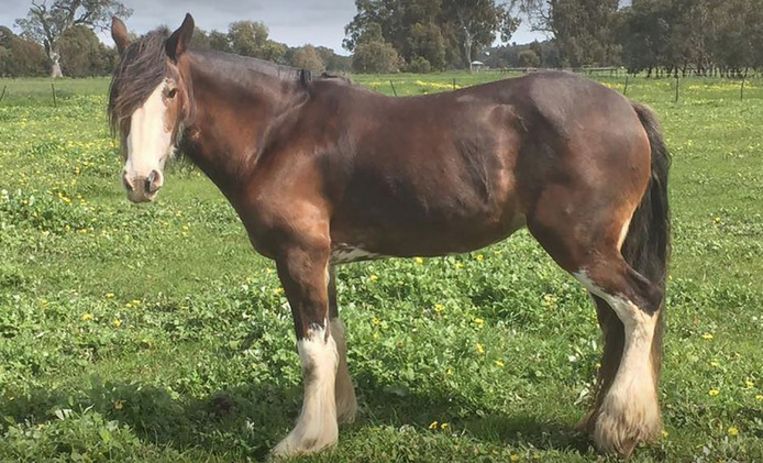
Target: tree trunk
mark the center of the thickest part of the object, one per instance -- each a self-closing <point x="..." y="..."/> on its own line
<point x="468" y="50"/>
<point x="55" y="68"/>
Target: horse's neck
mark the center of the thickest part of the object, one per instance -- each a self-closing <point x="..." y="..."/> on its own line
<point x="233" y="119"/>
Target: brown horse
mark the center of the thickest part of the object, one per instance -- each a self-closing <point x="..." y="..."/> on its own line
<point x="322" y="172"/>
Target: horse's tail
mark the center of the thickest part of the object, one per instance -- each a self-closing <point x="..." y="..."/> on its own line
<point x="647" y="245"/>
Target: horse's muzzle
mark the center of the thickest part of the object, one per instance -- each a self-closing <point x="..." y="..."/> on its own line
<point x="141" y="189"/>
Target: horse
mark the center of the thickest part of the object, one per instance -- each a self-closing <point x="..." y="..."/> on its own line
<point x="322" y="172"/>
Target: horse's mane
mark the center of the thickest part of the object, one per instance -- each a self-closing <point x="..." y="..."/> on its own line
<point x="143" y="65"/>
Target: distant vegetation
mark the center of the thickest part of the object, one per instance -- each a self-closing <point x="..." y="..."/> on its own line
<point x="657" y="37"/>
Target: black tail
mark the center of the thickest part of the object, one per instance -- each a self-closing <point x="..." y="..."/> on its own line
<point x="647" y="245"/>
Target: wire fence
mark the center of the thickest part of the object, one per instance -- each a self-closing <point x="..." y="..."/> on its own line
<point x="649" y="89"/>
<point x="679" y="89"/>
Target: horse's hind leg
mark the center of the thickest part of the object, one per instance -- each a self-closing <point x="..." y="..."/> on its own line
<point x="627" y="410"/>
<point x="346" y="403"/>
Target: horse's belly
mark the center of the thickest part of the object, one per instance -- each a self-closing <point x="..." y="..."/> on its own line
<point x="369" y="241"/>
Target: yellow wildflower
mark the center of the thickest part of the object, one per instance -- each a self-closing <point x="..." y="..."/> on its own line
<point x="109" y="295"/>
<point x="433" y="425"/>
<point x="514" y="457"/>
<point x="119" y="404"/>
<point x="479" y="257"/>
<point x="499" y="363"/>
<point x="759" y="397"/>
<point x="713" y="392"/>
<point x="707" y="336"/>
<point x="733" y="431"/>
<point x="86" y="317"/>
<point x="373" y="277"/>
<point x="419" y="261"/>
<point x="278" y="291"/>
<point x="749" y="384"/>
<point x="479" y="348"/>
<point x="444" y="426"/>
<point x="117" y="323"/>
<point x="665" y="434"/>
<point x="479" y="322"/>
<point x="439" y="308"/>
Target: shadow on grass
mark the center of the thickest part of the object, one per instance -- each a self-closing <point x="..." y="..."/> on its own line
<point x="247" y="421"/>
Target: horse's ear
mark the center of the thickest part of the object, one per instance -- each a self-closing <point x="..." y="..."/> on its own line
<point x="119" y="34"/>
<point x="178" y="42"/>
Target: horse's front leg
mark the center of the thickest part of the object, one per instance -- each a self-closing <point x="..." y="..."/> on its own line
<point x="304" y="274"/>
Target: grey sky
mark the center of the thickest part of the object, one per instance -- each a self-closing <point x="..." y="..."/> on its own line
<point x="294" y="22"/>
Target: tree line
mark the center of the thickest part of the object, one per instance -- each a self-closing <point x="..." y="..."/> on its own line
<point x="658" y="37"/>
<point x="58" y="38"/>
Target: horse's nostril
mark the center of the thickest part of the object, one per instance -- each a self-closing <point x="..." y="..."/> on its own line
<point x="153" y="182"/>
<point x="126" y="182"/>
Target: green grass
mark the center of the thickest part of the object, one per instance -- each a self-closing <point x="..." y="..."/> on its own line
<point x="131" y="333"/>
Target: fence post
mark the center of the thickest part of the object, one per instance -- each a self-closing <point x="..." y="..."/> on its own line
<point x="2" y="95"/>
<point x="53" y="88"/>
<point x="741" y="90"/>
<point x="454" y="83"/>
<point x="625" y="90"/>
<point x="391" y="84"/>
<point x="676" y="89"/>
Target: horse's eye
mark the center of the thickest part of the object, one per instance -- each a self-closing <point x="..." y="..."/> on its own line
<point x="172" y="93"/>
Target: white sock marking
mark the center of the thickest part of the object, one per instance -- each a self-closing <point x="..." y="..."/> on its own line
<point x="316" y="426"/>
<point x="630" y="408"/>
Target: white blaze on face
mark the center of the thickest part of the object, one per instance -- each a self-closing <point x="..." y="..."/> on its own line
<point x="149" y="145"/>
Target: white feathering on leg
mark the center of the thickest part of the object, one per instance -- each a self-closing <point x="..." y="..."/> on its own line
<point x="316" y="426"/>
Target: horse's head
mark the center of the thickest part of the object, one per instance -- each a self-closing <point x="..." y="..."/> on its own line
<point x="149" y="104"/>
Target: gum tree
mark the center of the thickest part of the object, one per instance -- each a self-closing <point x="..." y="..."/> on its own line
<point x="47" y="21"/>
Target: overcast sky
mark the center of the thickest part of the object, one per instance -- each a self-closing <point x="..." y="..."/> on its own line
<point x="294" y="22"/>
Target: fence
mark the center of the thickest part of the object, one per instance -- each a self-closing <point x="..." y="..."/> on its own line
<point x="647" y="89"/>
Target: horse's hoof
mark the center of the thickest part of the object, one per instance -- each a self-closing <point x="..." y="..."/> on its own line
<point x="621" y="425"/>
<point x="298" y="443"/>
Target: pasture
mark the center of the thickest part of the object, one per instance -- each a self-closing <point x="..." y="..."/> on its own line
<point x="155" y="333"/>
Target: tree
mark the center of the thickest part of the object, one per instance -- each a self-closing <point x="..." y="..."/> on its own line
<point x="47" y="22"/>
<point x="477" y="21"/>
<point x="82" y="54"/>
<point x="220" y="41"/>
<point x="375" y="56"/>
<point x="334" y="62"/>
<point x="427" y="45"/>
<point x="583" y="30"/>
<point x="443" y="32"/>
<point x="200" y="39"/>
<point x="250" y="38"/>
<point x="307" y="57"/>
<point x="20" y="57"/>
<point x="529" y="59"/>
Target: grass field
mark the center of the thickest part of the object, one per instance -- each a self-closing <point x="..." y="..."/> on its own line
<point x="154" y="333"/>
